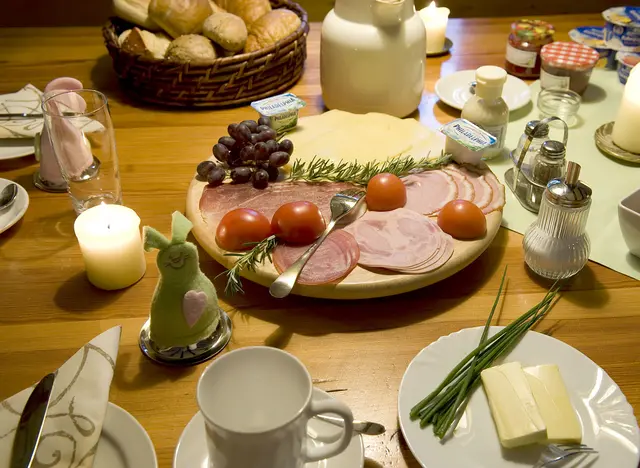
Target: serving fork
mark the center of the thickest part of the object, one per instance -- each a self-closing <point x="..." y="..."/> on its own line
<point x="560" y="452"/>
<point x="346" y="207"/>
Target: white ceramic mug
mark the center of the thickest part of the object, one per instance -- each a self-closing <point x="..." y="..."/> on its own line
<point x="256" y="403"/>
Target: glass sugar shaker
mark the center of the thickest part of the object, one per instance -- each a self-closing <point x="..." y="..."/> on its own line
<point x="556" y="245"/>
<point x="548" y="163"/>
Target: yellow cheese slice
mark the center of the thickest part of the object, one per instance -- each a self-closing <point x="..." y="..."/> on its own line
<point x="554" y="404"/>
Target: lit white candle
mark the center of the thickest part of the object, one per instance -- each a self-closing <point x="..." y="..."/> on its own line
<point x="626" y="128"/>
<point x="111" y="245"/>
<point x="435" y="20"/>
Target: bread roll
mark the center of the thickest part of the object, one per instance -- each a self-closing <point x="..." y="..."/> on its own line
<point x="191" y="48"/>
<point x="248" y="10"/>
<point x="136" y="12"/>
<point x="215" y="8"/>
<point x="145" y="43"/>
<point x="271" y="28"/>
<point x="180" y="17"/>
<point x="226" y="30"/>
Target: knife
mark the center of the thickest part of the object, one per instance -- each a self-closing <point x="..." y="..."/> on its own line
<point x="361" y="427"/>
<point x="31" y="422"/>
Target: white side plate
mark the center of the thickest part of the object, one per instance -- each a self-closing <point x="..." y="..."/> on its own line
<point x="608" y="422"/>
<point x="13" y="214"/>
<point x="11" y="149"/>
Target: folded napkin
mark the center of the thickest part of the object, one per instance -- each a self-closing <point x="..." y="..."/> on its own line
<point x="27" y="100"/>
<point x="76" y="410"/>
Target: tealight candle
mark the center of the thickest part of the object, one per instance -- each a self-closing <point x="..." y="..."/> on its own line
<point x="111" y="245"/>
<point x="435" y="20"/>
<point x="625" y="132"/>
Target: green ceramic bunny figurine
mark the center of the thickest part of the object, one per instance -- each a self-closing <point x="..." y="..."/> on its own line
<point x="185" y="307"/>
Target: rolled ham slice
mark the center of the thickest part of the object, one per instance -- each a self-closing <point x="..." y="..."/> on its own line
<point x="400" y="240"/>
<point x="429" y="191"/>
<point x="465" y="188"/>
<point x="497" y="198"/>
<point x="483" y="192"/>
<point x="334" y="259"/>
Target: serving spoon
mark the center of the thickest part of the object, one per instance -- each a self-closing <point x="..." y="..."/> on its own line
<point x="346" y="207"/>
<point x="8" y="196"/>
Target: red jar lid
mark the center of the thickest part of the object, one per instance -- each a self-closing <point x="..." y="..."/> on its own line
<point x="569" y="55"/>
<point x="532" y="30"/>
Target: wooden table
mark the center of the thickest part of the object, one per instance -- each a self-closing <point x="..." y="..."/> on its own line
<point x="360" y="350"/>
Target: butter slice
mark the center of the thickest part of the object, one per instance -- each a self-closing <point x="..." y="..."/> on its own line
<point x="554" y="404"/>
<point x="513" y="406"/>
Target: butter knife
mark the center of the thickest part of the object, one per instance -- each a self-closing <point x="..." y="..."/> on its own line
<point x="361" y="427"/>
<point x="31" y="422"/>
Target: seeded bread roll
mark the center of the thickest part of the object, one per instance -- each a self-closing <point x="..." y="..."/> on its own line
<point x="191" y="48"/>
<point x="180" y="17"/>
<point x="271" y="28"/>
<point x="226" y="30"/>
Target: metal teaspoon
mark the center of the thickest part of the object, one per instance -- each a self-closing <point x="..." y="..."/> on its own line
<point x="8" y="196"/>
<point x="345" y="206"/>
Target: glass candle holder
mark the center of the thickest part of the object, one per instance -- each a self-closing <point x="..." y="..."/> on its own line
<point x="81" y="132"/>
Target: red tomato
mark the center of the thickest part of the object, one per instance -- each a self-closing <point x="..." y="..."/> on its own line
<point x="241" y="227"/>
<point x="462" y="220"/>
<point x="386" y="192"/>
<point x="298" y="222"/>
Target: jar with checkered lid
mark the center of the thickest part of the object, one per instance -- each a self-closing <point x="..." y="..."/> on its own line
<point x="567" y="65"/>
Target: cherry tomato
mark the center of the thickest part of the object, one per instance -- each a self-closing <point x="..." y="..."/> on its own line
<point x="462" y="220"/>
<point x="241" y="227"/>
<point x="298" y="222"/>
<point x="386" y="192"/>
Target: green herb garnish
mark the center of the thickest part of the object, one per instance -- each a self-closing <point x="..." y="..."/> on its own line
<point x="249" y="260"/>
<point x="441" y="406"/>
<point x="325" y="170"/>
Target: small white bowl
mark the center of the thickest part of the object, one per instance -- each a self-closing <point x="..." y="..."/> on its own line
<point x="629" y="218"/>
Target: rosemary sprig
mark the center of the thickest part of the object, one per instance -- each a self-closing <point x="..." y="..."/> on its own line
<point x="325" y="170"/>
<point x="441" y="406"/>
<point x="249" y="260"/>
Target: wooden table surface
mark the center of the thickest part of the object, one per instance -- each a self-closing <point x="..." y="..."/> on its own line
<point x="359" y="349"/>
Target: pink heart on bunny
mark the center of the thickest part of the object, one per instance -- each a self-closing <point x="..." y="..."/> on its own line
<point x="193" y="305"/>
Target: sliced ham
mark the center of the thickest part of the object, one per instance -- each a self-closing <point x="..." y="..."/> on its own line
<point x="429" y="191"/>
<point x="444" y="254"/>
<point x="483" y="192"/>
<point x="400" y="240"/>
<point x="497" y="198"/>
<point x="217" y="201"/>
<point x="465" y="188"/>
<point x="334" y="259"/>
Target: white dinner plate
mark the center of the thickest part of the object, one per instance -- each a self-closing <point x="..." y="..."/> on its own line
<point x="124" y="443"/>
<point x="16" y="148"/>
<point x="454" y="90"/>
<point x="608" y="422"/>
<point x="191" y="451"/>
<point x="10" y="216"/>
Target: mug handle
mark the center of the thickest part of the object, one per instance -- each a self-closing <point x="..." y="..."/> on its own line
<point x="329" y="450"/>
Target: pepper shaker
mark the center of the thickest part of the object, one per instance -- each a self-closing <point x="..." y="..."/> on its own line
<point x="548" y="163"/>
<point x="556" y="245"/>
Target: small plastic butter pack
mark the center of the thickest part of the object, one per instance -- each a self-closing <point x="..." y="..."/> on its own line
<point x="281" y="110"/>
<point x="466" y="142"/>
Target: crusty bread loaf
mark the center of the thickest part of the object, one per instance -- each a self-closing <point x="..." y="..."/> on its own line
<point x="136" y="12"/>
<point x="248" y="10"/>
<point x="226" y="30"/>
<point x="191" y="48"/>
<point x="145" y="43"/>
<point x="180" y="17"/>
<point x="271" y="28"/>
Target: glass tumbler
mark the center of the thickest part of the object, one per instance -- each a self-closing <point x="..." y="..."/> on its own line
<point x="81" y="132"/>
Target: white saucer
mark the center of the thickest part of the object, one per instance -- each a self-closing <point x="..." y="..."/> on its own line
<point x="191" y="451"/>
<point x="16" y="148"/>
<point x="124" y="443"/>
<point x="454" y="90"/>
<point x="11" y="215"/>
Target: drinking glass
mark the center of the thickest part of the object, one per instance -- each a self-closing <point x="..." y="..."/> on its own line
<point x="81" y="133"/>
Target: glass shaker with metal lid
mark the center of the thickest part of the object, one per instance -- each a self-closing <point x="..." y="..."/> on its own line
<point x="556" y="245"/>
<point x="549" y="163"/>
<point x="538" y="135"/>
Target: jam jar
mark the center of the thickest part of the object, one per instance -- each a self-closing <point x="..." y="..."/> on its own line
<point x="567" y="65"/>
<point x="523" y="47"/>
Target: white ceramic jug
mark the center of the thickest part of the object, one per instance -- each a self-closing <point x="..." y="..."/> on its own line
<point x="372" y="57"/>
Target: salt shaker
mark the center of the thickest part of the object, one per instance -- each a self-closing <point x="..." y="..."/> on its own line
<point x="538" y="136"/>
<point x="556" y="245"/>
<point x="548" y="163"/>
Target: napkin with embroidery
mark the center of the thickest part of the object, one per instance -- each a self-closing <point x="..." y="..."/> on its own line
<point x="76" y="410"/>
<point x="25" y="101"/>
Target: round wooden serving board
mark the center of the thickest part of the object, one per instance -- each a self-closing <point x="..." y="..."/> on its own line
<point x="361" y="283"/>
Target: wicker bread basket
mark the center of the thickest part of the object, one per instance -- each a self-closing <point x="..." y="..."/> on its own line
<point x="228" y="81"/>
